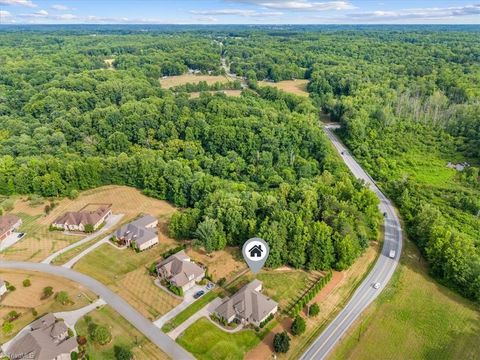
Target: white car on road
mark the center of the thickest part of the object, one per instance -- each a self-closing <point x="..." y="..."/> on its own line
<point x="376" y="285"/>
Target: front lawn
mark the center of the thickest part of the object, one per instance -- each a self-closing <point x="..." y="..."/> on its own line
<point x="123" y="334"/>
<point x="207" y="342"/>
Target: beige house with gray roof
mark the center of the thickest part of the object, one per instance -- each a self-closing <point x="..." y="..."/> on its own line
<point x="248" y="305"/>
<point x="47" y="340"/>
<point x="180" y="271"/>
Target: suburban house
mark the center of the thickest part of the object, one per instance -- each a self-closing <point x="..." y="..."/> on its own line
<point x="180" y="271"/>
<point x="47" y="340"/>
<point x="141" y="233"/>
<point x="248" y="305"/>
<point x="3" y="287"/>
<point x="77" y="220"/>
<point x="8" y="224"/>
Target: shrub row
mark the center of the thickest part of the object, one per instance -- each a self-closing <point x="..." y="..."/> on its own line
<point x="310" y="294"/>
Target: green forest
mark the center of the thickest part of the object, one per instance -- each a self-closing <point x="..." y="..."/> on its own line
<point x="259" y="164"/>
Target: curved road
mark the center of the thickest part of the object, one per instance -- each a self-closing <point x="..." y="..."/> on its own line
<point x="172" y="349"/>
<point x="381" y="272"/>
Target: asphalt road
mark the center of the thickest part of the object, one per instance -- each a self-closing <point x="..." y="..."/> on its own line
<point x="381" y="272"/>
<point x="146" y="327"/>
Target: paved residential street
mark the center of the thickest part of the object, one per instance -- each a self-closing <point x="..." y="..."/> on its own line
<point x="111" y="221"/>
<point x="115" y="301"/>
<point x="381" y="272"/>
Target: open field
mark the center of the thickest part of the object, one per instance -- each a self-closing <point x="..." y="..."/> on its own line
<point x="177" y="80"/>
<point x="126" y="273"/>
<point x="24" y="299"/>
<point x="225" y="263"/>
<point x="414" y="318"/>
<point x="296" y="87"/>
<point x="123" y="334"/>
<point x="207" y="342"/>
<point x="233" y="93"/>
<point x="39" y="242"/>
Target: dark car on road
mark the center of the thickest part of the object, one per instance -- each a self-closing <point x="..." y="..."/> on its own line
<point x="198" y="294"/>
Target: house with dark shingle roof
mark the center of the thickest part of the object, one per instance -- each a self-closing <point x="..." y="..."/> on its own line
<point x="180" y="271"/>
<point x="140" y="232"/>
<point x="77" y="220"/>
<point x="248" y="305"/>
<point x="47" y="340"/>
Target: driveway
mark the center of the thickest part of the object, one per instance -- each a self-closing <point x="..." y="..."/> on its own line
<point x="205" y="311"/>
<point x="111" y="221"/>
<point x="10" y="240"/>
<point x="143" y="325"/>
<point x="188" y="299"/>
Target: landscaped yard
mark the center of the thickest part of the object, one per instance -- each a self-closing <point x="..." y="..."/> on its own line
<point x="189" y="311"/>
<point x="417" y="315"/>
<point x="123" y="334"/>
<point x="125" y="271"/>
<point x="24" y="299"/>
<point x="207" y="342"/>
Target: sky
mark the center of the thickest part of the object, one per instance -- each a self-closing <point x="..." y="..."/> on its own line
<point x="239" y="12"/>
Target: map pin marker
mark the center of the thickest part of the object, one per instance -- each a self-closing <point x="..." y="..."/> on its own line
<point x="255" y="252"/>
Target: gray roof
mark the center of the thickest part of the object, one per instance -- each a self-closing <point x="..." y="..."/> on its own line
<point x="136" y="230"/>
<point x="179" y="268"/>
<point x="43" y="342"/>
<point x="83" y="217"/>
<point x="247" y="303"/>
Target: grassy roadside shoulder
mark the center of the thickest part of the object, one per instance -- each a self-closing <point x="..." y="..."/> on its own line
<point x="417" y="315"/>
<point x="190" y="310"/>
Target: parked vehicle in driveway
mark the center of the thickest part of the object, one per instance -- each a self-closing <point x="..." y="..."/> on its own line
<point x="198" y="294"/>
<point x="210" y="286"/>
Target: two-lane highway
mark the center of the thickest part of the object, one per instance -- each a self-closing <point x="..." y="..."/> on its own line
<point x="381" y="272"/>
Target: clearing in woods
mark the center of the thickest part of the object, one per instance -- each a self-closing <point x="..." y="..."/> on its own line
<point x="296" y="87"/>
<point x="233" y="93"/>
<point x="172" y="81"/>
<point x="39" y="242"/>
<point x="24" y="299"/>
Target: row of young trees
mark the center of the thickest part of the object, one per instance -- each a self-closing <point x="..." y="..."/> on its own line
<point x="310" y="294"/>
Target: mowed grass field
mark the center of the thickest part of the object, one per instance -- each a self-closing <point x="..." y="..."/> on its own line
<point x="123" y="334"/>
<point x="415" y="318"/>
<point x="296" y="87"/>
<point x="177" y="80"/>
<point x="24" y="299"/>
<point x="39" y="242"/>
<point x="125" y="271"/>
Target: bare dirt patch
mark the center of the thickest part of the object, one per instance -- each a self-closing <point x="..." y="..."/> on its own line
<point x="172" y="81"/>
<point x="24" y="299"/>
<point x="296" y="87"/>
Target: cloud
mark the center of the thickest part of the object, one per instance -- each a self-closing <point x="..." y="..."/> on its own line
<point x="60" y="7"/>
<point x="235" y="12"/>
<point x="36" y="14"/>
<point x="5" y="14"/>
<point x="418" y="13"/>
<point x="206" y="19"/>
<point x="26" y="3"/>
<point x="300" y="5"/>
